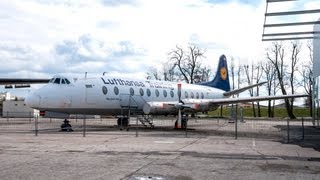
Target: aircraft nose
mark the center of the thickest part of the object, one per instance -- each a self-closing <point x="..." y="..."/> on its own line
<point x="33" y="100"/>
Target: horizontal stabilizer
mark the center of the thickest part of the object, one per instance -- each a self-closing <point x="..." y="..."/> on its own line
<point x="240" y="90"/>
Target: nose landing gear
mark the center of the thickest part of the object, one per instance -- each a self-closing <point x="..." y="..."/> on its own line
<point x="66" y="126"/>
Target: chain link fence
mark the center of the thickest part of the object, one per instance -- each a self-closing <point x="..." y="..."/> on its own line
<point x="263" y="128"/>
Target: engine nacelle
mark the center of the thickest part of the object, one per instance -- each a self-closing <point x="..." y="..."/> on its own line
<point x="163" y="108"/>
<point x="158" y="108"/>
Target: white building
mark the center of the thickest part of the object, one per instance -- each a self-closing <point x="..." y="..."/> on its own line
<point x="17" y="108"/>
<point x="316" y="75"/>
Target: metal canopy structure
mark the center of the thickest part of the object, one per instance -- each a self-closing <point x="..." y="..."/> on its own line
<point x="277" y="35"/>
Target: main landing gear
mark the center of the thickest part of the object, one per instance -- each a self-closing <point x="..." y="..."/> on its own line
<point x="66" y="126"/>
<point x="184" y="121"/>
<point x="123" y="122"/>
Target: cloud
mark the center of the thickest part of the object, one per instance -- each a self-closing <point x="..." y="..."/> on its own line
<point x="118" y="2"/>
<point x="61" y="36"/>
<point x="246" y="2"/>
<point x="88" y="54"/>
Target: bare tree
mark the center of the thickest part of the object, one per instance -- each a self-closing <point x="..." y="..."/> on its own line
<point x="258" y="74"/>
<point x="269" y="75"/>
<point x="188" y="62"/>
<point x="153" y="74"/>
<point x="295" y="51"/>
<point x="276" y="55"/>
<point x="249" y="81"/>
<point x="254" y="77"/>
<point x="168" y="72"/>
<point x="183" y="65"/>
<point x="307" y="74"/>
<point x="202" y="74"/>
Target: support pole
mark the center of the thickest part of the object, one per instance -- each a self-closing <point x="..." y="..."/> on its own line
<point x="186" y="121"/>
<point x="236" y="122"/>
<point x="137" y="127"/>
<point x="302" y="128"/>
<point x="129" y="112"/>
<point x="288" y="134"/>
<point x="36" y="125"/>
<point x="84" y="126"/>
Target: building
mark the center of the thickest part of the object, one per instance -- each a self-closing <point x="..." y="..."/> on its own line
<point x="12" y="106"/>
<point x="17" y="109"/>
<point x="316" y="75"/>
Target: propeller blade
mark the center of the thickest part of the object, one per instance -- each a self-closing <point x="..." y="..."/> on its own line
<point x="179" y="92"/>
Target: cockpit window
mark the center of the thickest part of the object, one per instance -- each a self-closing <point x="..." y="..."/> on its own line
<point x="67" y="81"/>
<point x="57" y="81"/>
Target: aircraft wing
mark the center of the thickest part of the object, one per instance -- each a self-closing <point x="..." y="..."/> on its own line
<point x="206" y="104"/>
<point x="13" y="81"/>
<point x="21" y="83"/>
<point x="212" y="102"/>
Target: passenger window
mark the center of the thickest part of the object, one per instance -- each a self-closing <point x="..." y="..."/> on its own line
<point x="197" y="95"/>
<point x="202" y="95"/>
<point x="57" y="81"/>
<point x="186" y="94"/>
<point x="141" y="92"/>
<point x="164" y="93"/>
<point x="171" y="93"/>
<point x="131" y="91"/>
<point x="116" y="90"/>
<point x="148" y="92"/>
<point x="157" y="92"/>
<point x="192" y="95"/>
<point x="104" y="90"/>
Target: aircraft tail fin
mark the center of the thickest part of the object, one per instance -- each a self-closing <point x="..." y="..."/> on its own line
<point x="221" y="79"/>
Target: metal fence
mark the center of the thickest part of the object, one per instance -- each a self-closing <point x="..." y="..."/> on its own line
<point x="277" y="129"/>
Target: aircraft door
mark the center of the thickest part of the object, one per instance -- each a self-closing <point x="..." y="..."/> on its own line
<point x="90" y="94"/>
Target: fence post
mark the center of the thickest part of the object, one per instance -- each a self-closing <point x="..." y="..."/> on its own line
<point x="137" y="126"/>
<point x="36" y="125"/>
<point x="186" y="121"/>
<point x="302" y="128"/>
<point x="84" y="126"/>
<point x="288" y="135"/>
<point x="236" y="123"/>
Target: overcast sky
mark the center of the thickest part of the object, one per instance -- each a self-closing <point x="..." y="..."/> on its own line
<point x="40" y="38"/>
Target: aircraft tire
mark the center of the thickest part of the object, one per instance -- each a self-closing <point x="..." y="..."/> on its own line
<point x="123" y="121"/>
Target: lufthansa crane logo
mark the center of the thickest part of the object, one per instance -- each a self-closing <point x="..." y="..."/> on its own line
<point x="223" y="73"/>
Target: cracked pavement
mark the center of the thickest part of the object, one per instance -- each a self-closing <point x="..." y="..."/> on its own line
<point x="70" y="156"/>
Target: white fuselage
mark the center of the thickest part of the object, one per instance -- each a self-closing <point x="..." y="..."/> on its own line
<point x="113" y="95"/>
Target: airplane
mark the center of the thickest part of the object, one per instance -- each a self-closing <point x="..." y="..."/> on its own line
<point x="117" y="96"/>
